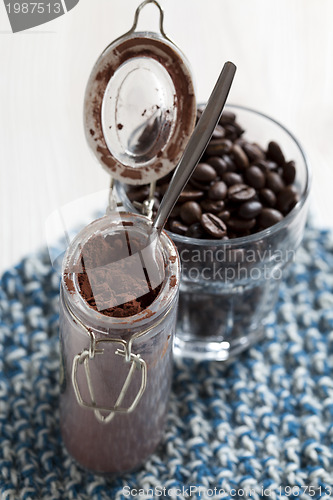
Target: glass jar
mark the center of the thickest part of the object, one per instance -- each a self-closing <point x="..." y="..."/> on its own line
<point x="229" y="287"/>
<point x="116" y="371"/>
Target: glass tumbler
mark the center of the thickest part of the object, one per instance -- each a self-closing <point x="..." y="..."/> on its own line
<point x="115" y="371"/>
<point x="229" y="287"/>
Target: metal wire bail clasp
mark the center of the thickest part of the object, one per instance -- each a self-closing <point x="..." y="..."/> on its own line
<point x="136" y="17"/>
<point x="88" y="355"/>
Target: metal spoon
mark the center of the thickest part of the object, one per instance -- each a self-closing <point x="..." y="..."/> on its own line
<point x="196" y="145"/>
<point x="144" y="265"/>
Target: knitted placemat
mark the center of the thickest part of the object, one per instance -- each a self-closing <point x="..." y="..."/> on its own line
<point x="252" y="429"/>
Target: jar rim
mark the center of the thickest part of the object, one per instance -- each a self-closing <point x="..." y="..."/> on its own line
<point x="150" y="46"/>
<point x="161" y="304"/>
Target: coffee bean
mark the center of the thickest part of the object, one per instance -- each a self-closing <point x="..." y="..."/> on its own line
<point x="213" y="225"/>
<point x="190" y="212"/>
<point x="253" y="151"/>
<point x="233" y="131"/>
<point x="267" y="197"/>
<point x="138" y="194"/>
<point x="224" y="215"/>
<point x="178" y="227"/>
<point x="250" y="209"/>
<point x="239" y="225"/>
<point x="218" y="163"/>
<point x="269" y="217"/>
<point x="240" y="193"/>
<point x="227" y="117"/>
<point x="287" y="199"/>
<point x="204" y="172"/>
<point x="289" y="172"/>
<point x="274" y="182"/>
<point x="218" y="133"/>
<point x="190" y="195"/>
<point x="226" y="146"/>
<point x="255" y="177"/>
<point x="231" y="178"/>
<point x="266" y="165"/>
<point x="217" y="191"/>
<point x="240" y="157"/>
<point x="201" y="186"/>
<point x="175" y="212"/>
<point x="163" y="188"/>
<point x="218" y="147"/>
<point x="240" y="141"/>
<point x="195" y="231"/>
<point x="212" y="206"/>
<point x="231" y="165"/>
<point x="274" y="152"/>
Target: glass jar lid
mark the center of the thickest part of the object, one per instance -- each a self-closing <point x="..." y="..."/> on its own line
<point x="140" y="108"/>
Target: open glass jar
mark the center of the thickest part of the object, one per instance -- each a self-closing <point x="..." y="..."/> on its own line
<point x="116" y="370"/>
<point x="229" y="287"/>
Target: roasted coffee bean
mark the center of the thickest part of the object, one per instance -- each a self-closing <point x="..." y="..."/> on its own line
<point x="212" y="206"/>
<point x="255" y="177"/>
<point x="163" y="188"/>
<point x="269" y="217"/>
<point x="201" y="186"/>
<point x="239" y="225"/>
<point x="233" y="131"/>
<point x="190" y="195"/>
<point x="175" y="212"/>
<point x="266" y="165"/>
<point x="231" y="165"/>
<point x="224" y="215"/>
<point x="190" y="212"/>
<point x="274" y="182"/>
<point x="240" y="157"/>
<point x="274" y="152"/>
<point x="195" y="231"/>
<point x="287" y="199"/>
<point x="250" y="209"/>
<point x="289" y="172"/>
<point x="204" y="172"/>
<point x="240" y="193"/>
<point x="138" y="194"/>
<point x="240" y="141"/>
<point x="213" y="225"/>
<point x="218" y="163"/>
<point x="217" y="191"/>
<point x="253" y="151"/>
<point x="178" y="227"/>
<point x="218" y="133"/>
<point x="231" y="178"/>
<point x="218" y="147"/>
<point x="267" y="197"/>
<point x="227" y="117"/>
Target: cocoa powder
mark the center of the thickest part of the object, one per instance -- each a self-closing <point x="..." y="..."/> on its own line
<point x="108" y="276"/>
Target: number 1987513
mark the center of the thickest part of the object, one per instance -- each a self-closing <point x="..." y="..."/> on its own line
<point x="33" y="7"/>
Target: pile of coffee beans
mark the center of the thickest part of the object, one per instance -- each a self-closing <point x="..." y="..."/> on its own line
<point x="237" y="189"/>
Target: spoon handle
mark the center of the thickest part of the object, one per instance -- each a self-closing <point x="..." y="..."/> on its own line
<point x="197" y="144"/>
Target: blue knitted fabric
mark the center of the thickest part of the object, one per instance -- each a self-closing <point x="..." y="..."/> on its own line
<point x="264" y="420"/>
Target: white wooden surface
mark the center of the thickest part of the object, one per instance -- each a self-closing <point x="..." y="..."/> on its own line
<point x="283" y="50"/>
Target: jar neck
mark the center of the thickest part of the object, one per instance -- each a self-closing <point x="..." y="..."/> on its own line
<point x="77" y="307"/>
